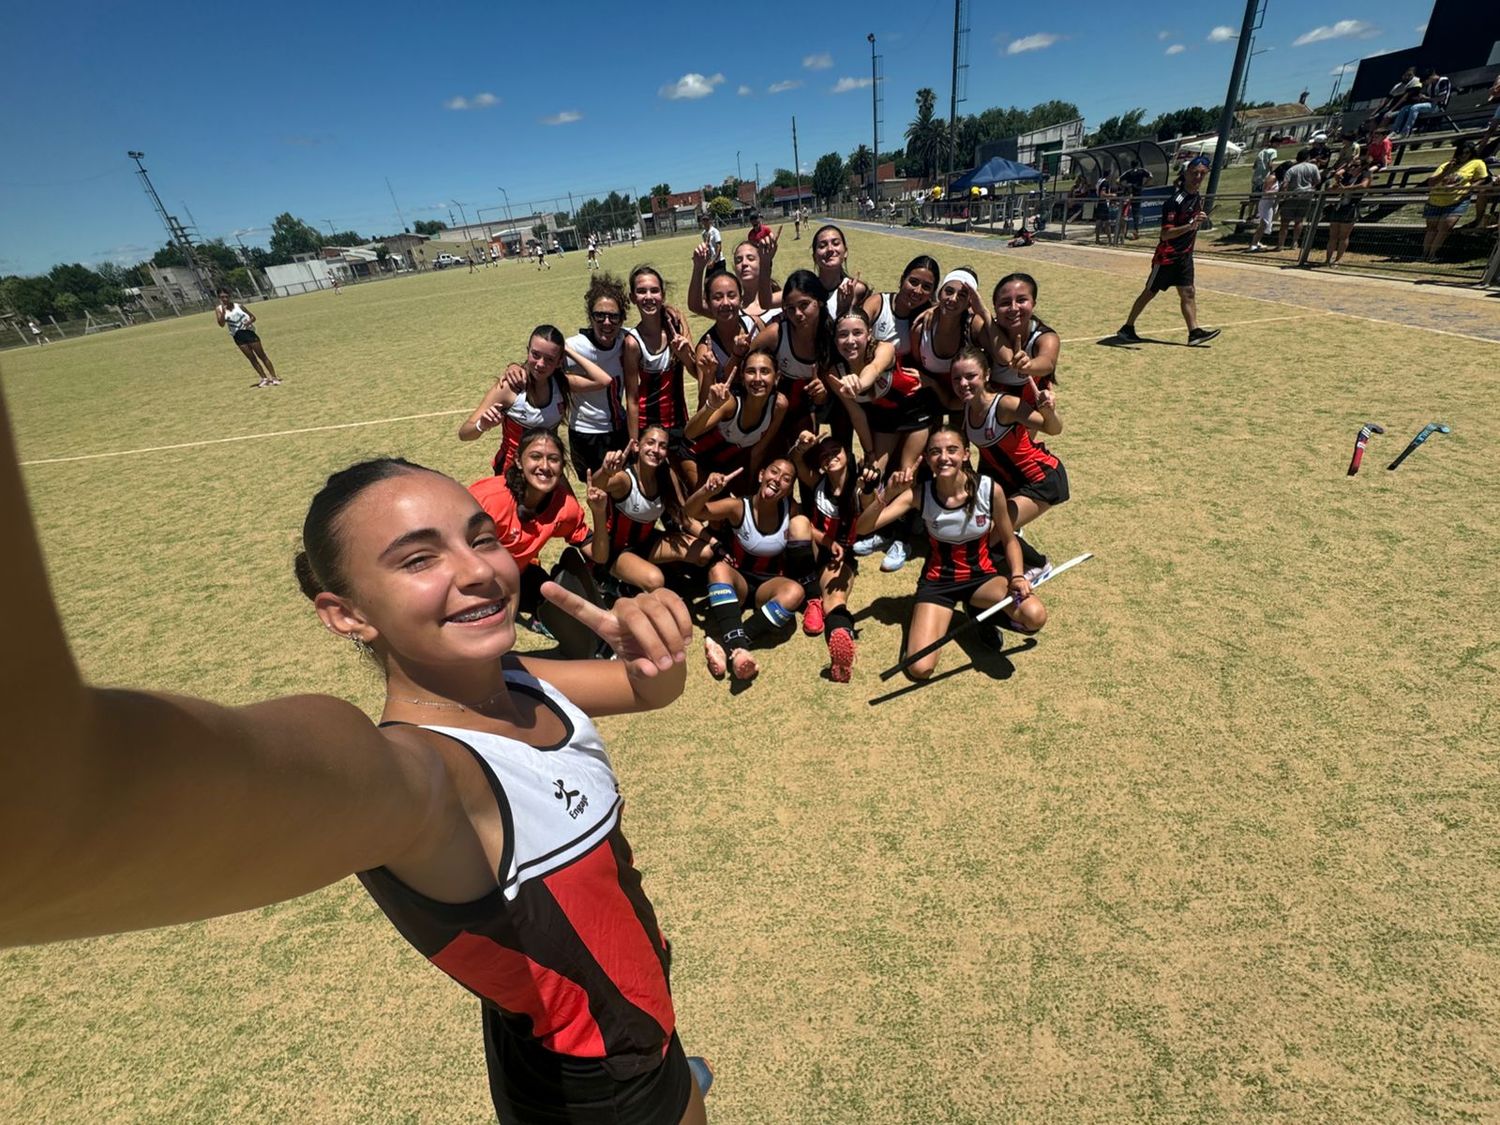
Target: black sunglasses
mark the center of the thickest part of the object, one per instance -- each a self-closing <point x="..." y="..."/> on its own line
<point x="608" y="317"/>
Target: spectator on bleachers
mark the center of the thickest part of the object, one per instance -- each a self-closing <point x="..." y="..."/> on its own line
<point x="1379" y="151"/>
<point x="1265" y="159"/>
<point x="1296" y="197"/>
<point x="1487" y="195"/>
<point x="1343" y="207"/>
<point x="1450" y="190"/>
<point x="1079" y="191"/>
<point x="1425" y="102"/>
<point x="1408" y="88"/>
<point x="1265" y="208"/>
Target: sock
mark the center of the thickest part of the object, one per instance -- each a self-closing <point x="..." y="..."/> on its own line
<point x="724" y="613"/>
<point x="801" y="567"/>
<point x="836" y="618"/>
<point x="1030" y="556"/>
<point x="771" y="619"/>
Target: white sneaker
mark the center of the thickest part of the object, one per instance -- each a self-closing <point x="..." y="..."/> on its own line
<point x="870" y="544"/>
<point x="1035" y="574"/>
<point x="895" y="556"/>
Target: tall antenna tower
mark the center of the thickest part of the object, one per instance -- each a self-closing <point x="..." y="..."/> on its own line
<point x="960" y="86"/>
<point x="177" y="234"/>
<point x="877" y="103"/>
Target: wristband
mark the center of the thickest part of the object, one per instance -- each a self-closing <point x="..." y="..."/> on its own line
<point x="479" y="425"/>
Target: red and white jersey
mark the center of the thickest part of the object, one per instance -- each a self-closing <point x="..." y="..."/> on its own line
<point x="1007" y="449"/>
<point x="633" y="518"/>
<point x="523" y="415"/>
<point x="600" y="410"/>
<point x="566" y="948"/>
<point x="756" y="552"/>
<point x="958" y="539"/>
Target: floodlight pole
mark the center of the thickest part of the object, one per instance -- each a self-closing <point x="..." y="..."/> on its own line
<point x="796" y="161"/>
<point x="175" y="233"/>
<point x="874" y="123"/>
<point x="1231" y="99"/>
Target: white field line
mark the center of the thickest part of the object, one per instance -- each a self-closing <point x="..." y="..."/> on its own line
<point x="242" y="437"/>
<point x="1002" y="249"/>
<point x="1172" y="331"/>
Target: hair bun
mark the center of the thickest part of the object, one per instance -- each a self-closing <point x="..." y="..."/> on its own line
<point x="306" y="578"/>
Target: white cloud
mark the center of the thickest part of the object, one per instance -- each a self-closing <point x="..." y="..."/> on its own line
<point x="1031" y="43"/>
<point x="478" y="101"/>
<point x="1222" y="34"/>
<point x="1421" y="28"/>
<point x="690" y="86"/>
<point x="566" y="117"/>
<point x="1343" y="69"/>
<point x="1344" y="29"/>
<point x="1163" y="36"/>
<point x="783" y="87"/>
<point x="1176" y="49"/>
<point x="818" y="62"/>
<point x="744" y="91"/>
<point x="844" y="85"/>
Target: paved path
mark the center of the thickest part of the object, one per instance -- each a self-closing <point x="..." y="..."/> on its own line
<point x="1467" y="312"/>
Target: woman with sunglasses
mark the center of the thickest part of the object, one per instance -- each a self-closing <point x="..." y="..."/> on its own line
<point x="596" y="423"/>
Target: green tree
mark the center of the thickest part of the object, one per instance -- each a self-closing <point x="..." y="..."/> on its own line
<point x="721" y="207"/>
<point x="345" y="238"/>
<point x="540" y="232"/>
<point x="29" y="296"/>
<point x="1125" y="127"/>
<point x="429" y="227"/>
<point x="861" y="163"/>
<point x="291" y="236"/>
<point x="383" y="255"/>
<point x="926" y="136"/>
<point x="828" y="177"/>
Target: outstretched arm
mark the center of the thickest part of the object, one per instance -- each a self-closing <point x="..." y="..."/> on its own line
<point x="125" y="809"/>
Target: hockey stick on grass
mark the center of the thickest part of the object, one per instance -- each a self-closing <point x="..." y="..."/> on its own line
<point x="969" y="622"/>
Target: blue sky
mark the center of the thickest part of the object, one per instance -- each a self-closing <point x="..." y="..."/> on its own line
<point x="247" y="111"/>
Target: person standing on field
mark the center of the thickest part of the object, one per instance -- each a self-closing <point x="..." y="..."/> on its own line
<point x="241" y="324"/>
<point x="1172" y="263"/>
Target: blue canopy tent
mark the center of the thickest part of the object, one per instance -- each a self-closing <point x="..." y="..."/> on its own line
<point x="996" y="170"/>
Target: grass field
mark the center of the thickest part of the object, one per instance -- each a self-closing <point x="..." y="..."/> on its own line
<point x="1221" y="845"/>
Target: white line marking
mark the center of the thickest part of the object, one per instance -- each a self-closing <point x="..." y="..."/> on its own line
<point x="1183" y="328"/>
<point x="242" y="437"/>
<point x="1207" y="289"/>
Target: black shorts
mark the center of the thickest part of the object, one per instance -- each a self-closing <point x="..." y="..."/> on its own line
<point x="1171" y="275"/>
<point x="912" y="413"/>
<point x="533" y="1086"/>
<point x="949" y="594"/>
<point x="641" y="550"/>
<point x="587" y="450"/>
<point x="246" y="336"/>
<point x="1052" y="489"/>
<point x="1344" y="213"/>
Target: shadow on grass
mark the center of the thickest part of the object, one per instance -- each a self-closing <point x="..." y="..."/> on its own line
<point x="994" y="664"/>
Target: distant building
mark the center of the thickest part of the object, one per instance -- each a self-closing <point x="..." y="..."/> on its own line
<point x="1461" y="41"/>
<point x="1254" y="127"/>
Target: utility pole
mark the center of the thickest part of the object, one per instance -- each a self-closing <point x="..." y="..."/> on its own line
<point x="176" y="233"/>
<point x="796" y="161"/>
<point x="399" y="216"/>
<point x="1231" y="100"/>
<point x="953" y="100"/>
<point x="249" y="266"/>
<point x="331" y="231"/>
<point x="739" y="173"/>
<point x="875" y="124"/>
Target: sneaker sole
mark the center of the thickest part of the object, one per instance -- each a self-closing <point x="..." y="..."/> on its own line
<point x="841" y="651"/>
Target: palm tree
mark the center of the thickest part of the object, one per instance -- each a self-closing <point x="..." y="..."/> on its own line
<point x="926" y="136"/>
<point x="861" y="162"/>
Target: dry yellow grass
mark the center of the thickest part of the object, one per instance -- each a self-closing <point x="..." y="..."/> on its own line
<point x="1221" y="845"/>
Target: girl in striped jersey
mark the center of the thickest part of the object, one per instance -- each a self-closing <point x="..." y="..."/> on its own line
<point x="654" y="354"/>
<point x="630" y="544"/>
<point x="801" y="340"/>
<point x="941" y="332"/>
<point x="769" y="558"/>
<point x="735" y="428"/>
<point x="826" y="468"/>
<point x="752" y="265"/>
<point x="531" y="396"/>
<point x="728" y="339"/>
<point x="967" y="527"/>
<point x="912" y="298"/>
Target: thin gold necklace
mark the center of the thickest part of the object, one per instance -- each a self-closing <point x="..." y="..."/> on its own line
<point x="443" y="703"/>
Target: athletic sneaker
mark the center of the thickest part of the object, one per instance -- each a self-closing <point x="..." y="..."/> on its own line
<point x="1203" y="335"/>
<point x="812" y="617"/>
<point x="1035" y="574"/>
<point x="1127" y="333"/>
<point x="841" y="650"/>
<point x="870" y="544"/>
<point x="895" y="556"/>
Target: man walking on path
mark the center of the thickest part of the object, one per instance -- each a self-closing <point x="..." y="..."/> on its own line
<point x="1172" y="263"/>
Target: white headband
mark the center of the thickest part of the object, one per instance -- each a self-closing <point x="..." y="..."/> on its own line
<point x="961" y="275"/>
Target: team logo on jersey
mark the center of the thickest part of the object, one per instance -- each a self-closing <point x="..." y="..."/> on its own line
<point x="565" y="794"/>
<point x="980" y="519"/>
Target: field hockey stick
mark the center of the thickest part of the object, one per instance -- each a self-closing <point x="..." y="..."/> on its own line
<point x="1422" y="435"/>
<point x="969" y="622"/>
<point x="1359" y="444"/>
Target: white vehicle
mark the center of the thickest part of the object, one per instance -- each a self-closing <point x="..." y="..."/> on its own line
<point x="443" y="261"/>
